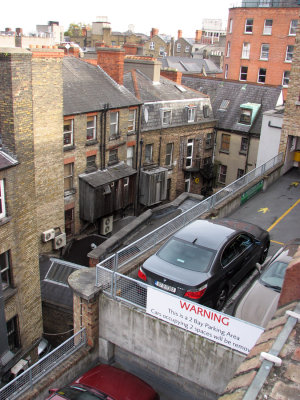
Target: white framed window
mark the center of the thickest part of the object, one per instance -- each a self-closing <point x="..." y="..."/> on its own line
<point x="243" y="73"/>
<point x="161" y="51"/>
<point x="187" y="49"/>
<point x="68" y="176"/>
<point x="228" y="49"/>
<point x="264" y="51"/>
<point x="226" y="71"/>
<point x="189" y="152"/>
<point x="261" y="78"/>
<point x="293" y="27"/>
<point x="178" y="47"/>
<point x="268" y="27"/>
<point x="169" y="154"/>
<point x="285" y="78"/>
<point x="91" y="127"/>
<point x="130" y="156"/>
<point x="148" y="153"/>
<point x="246" y="50"/>
<point x="187" y="185"/>
<point x="222" y="173"/>
<point x="152" y="46"/>
<point x="230" y="25"/>
<point x="166" y="117"/>
<point x="114" y="123"/>
<point x="126" y="181"/>
<point x="131" y="120"/>
<point x="249" y="25"/>
<point x="191" y="114"/>
<point x="68" y="132"/>
<point x="289" y="53"/>
<point x="2" y="200"/>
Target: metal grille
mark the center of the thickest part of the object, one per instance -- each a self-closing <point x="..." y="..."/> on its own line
<point x="115" y="262"/>
<point x="37" y="371"/>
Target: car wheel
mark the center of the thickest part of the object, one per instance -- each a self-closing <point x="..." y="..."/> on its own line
<point x="264" y="253"/>
<point x="221" y="298"/>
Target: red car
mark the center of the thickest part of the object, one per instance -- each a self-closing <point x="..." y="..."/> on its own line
<point x="107" y="383"/>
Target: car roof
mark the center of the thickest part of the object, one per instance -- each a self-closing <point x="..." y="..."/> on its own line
<point x="208" y="233"/>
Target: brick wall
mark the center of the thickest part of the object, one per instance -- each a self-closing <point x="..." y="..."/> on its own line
<point x="112" y="61"/>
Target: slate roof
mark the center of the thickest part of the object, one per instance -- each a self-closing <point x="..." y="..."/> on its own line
<point x="88" y="88"/>
<point x="192" y="65"/>
<point x="237" y="93"/>
<point x="6" y="161"/>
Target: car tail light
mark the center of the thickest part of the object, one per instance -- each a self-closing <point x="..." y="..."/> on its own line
<point x="142" y="275"/>
<point x="196" y="294"/>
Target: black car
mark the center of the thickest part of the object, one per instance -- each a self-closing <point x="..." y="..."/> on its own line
<point x="205" y="260"/>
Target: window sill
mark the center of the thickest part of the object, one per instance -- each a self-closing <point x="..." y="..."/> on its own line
<point x="69" y="147"/>
<point x="91" y="142"/>
<point x="9" y="292"/>
<point x="112" y="162"/>
<point x="69" y="192"/>
<point x="263" y="59"/>
<point x="248" y="33"/>
<point x="129" y="133"/>
<point x="114" y="137"/>
<point x="224" y="151"/>
<point x="4" y="220"/>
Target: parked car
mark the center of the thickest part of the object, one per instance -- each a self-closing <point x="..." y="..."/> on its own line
<point x="206" y="260"/>
<point x="44" y="348"/>
<point x="259" y="303"/>
<point x="105" y="382"/>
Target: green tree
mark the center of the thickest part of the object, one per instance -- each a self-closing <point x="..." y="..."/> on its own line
<point x="74" y="29"/>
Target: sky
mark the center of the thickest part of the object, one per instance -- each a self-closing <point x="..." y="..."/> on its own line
<point x="167" y="16"/>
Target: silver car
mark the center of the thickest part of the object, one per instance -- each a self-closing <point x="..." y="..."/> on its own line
<point x="259" y="303"/>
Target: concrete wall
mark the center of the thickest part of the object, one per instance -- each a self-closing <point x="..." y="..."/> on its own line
<point x="190" y="356"/>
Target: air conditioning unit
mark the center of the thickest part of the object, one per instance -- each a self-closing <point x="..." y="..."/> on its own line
<point x="48" y="235"/>
<point x="59" y="241"/>
<point x="106" y="225"/>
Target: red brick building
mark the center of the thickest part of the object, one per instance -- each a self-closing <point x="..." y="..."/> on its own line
<point x="260" y="43"/>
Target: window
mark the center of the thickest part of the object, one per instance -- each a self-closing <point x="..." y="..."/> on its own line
<point x="264" y="51"/>
<point x="187" y="185"/>
<point x="178" y="47"/>
<point x="245" y="117"/>
<point x="230" y="26"/>
<point x="166" y="117"/>
<point x="13" y="336"/>
<point x="91" y="128"/>
<point x="246" y="50"/>
<point x="286" y="78"/>
<point x="226" y="71"/>
<point x="69" y="222"/>
<point x="130" y="156"/>
<point x="191" y="114"/>
<point x="68" y="132"/>
<point x="249" y="25"/>
<point x="243" y="73"/>
<point x="187" y="49"/>
<point x="91" y="163"/>
<point x="189" y="152"/>
<point x="205" y="111"/>
<point x="244" y="145"/>
<point x="289" y="53"/>
<point x="169" y="154"/>
<point x="114" y="123"/>
<point x="240" y="173"/>
<point x="228" y="49"/>
<point x="224" y="105"/>
<point x="131" y="120"/>
<point x="5" y="270"/>
<point x="262" y="72"/>
<point x="113" y="156"/>
<point x="148" y="153"/>
<point x="68" y="176"/>
<point x="125" y="181"/>
<point x="222" y="173"/>
<point x="162" y="51"/>
<point x="225" y="142"/>
<point x="208" y="141"/>
<point x="152" y="46"/>
<point x="293" y="27"/>
<point x="268" y="27"/>
<point x="2" y="200"/>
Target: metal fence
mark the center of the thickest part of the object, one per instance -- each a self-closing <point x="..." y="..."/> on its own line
<point x="104" y="278"/>
<point x="37" y="371"/>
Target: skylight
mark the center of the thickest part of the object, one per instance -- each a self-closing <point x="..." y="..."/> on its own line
<point x="224" y="105"/>
<point x="180" y="88"/>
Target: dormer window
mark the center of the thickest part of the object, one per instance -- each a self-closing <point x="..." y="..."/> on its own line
<point x="166" y="117"/>
<point x="245" y="117"/>
<point x="191" y="113"/>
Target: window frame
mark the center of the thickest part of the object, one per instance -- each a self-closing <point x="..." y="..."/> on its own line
<point x="249" y="26"/>
<point x="5" y="269"/>
<point x="132" y="125"/>
<point x="268" y="28"/>
<point x="244" y="145"/>
<point x="166" y="117"/>
<point x="228" y="49"/>
<point x="286" y="78"/>
<point x="230" y="25"/>
<point x="289" y="54"/>
<point x="243" y="73"/>
<point x="222" y="174"/>
<point x="93" y="128"/>
<point x="129" y="156"/>
<point x="149" y="154"/>
<point x="169" y="154"/>
<point x="152" y="45"/>
<point x="293" y="29"/>
<point x="187" y="49"/>
<point x="2" y="199"/>
<point x="113" y="124"/>
<point x="113" y="157"/>
<point x="245" y="112"/>
<point x="264" y="54"/>
<point x="261" y="77"/>
<point x="191" y="111"/>
<point x="246" y="50"/>
<point x="13" y="334"/>
<point x="178" y="47"/>
<point x="189" y="153"/>
<point x="162" y="51"/>
<point x="69" y="133"/>
<point x="69" y="177"/>
<point x="91" y="164"/>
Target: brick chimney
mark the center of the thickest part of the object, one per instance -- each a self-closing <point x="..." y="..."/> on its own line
<point x="198" y="36"/>
<point x="179" y="33"/>
<point x="172" y="74"/>
<point x="19" y="31"/>
<point x="111" y="59"/>
<point x="154" y="32"/>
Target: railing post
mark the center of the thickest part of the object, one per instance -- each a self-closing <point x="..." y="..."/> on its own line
<point x="30" y="378"/>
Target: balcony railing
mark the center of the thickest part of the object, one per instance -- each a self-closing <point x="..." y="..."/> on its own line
<point x="267" y="3"/>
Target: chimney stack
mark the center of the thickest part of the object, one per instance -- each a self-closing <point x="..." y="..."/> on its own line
<point x="179" y="33"/>
<point x="154" y="32"/>
<point x="198" y="36"/>
<point x="111" y="59"/>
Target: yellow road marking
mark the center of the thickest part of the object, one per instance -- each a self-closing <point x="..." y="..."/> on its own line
<point x="274" y="241"/>
<point x="263" y="210"/>
<point x="283" y="215"/>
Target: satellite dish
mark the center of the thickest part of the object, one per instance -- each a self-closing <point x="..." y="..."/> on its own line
<point x="146" y="114"/>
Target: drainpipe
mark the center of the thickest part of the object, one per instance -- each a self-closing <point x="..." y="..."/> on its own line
<point x="137" y="160"/>
<point x="247" y="155"/>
